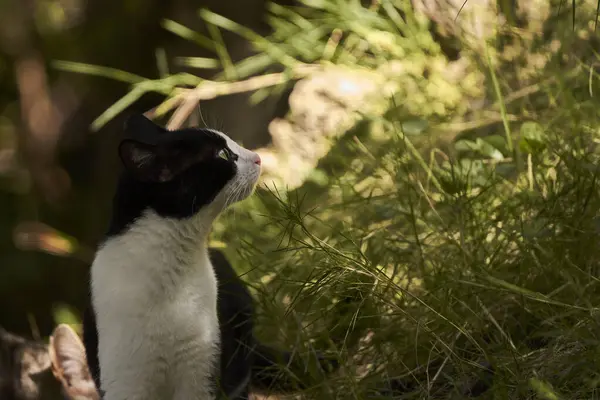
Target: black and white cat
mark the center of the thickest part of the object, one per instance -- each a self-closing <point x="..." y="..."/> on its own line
<point x="153" y="284"/>
<point x="245" y="362"/>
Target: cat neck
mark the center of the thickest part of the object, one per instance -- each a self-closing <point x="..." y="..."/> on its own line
<point x="152" y="231"/>
<point x="131" y="208"/>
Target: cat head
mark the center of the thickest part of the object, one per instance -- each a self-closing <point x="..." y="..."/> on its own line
<point x="178" y="173"/>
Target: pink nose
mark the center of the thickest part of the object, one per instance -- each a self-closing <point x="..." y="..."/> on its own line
<point x="257" y="159"/>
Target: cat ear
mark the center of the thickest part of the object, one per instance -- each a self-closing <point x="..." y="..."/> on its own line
<point x="138" y="126"/>
<point x="69" y="364"/>
<point x="144" y="162"/>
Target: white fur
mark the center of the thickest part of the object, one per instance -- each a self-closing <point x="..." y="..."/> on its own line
<point x="154" y="292"/>
<point x="238" y="188"/>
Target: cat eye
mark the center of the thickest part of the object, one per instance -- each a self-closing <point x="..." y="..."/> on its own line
<point x="224" y="154"/>
<point x="227" y="155"/>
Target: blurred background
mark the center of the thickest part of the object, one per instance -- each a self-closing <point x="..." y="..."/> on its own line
<point x="428" y="203"/>
<point x="57" y="171"/>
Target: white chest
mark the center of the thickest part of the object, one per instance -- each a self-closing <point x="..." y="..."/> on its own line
<point x="156" y="314"/>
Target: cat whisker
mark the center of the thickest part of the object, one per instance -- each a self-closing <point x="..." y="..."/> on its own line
<point x="235" y="191"/>
<point x="228" y="197"/>
<point x="202" y="116"/>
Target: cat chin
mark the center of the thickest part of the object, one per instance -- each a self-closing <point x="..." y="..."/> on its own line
<point x="239" y="189"/>
<point x="236" y="195"/>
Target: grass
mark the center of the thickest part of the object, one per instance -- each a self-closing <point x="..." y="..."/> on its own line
<point x="421" y="288"/>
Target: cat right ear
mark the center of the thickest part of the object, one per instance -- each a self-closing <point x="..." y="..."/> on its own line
<point x="141" y="160"/>
<point x="147" y="162"/>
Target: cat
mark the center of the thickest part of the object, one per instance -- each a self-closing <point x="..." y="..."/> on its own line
<point x="153" y="286"/>
<point x="173" y="186"/>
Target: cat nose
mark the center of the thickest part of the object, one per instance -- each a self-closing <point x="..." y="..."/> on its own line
<point x="257" y="160"/>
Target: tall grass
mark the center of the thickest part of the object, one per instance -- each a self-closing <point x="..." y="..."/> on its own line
<point x="426" y="289"/>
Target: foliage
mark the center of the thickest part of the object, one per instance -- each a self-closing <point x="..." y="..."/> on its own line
<point x="423" y="273"/>
<point x="386" y="37"/>
<point x="419" y="283"/>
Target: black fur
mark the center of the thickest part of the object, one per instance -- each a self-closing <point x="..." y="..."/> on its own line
<point x="241" y="353"/>
<point x="235" y="310"/>
<point x="181" y="173"/>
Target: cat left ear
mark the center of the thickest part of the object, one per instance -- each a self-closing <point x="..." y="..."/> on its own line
<point x="138" y="125"/>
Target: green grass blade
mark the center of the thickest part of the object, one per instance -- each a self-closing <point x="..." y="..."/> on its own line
<point x="222" y="53"/>
<point x="96" y="70"/>
<point x="188" y="34"/>
<point x="118" y="107"/>
<point x="198" y="62"/>
<point x="500" y="99"/>
<point x="261" y="43"/>
<point x="530" y="294"/>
